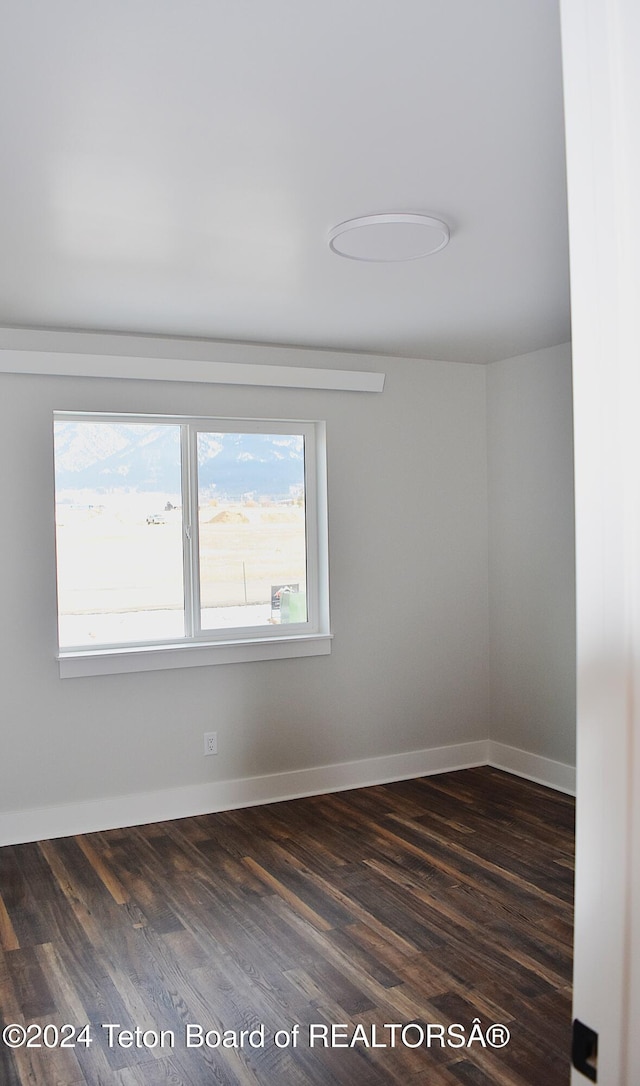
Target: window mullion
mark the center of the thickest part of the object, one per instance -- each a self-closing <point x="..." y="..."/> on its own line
<point x="188" y="440"/>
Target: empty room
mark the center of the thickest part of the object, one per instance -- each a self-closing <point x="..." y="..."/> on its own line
<point x="291" y="684"/>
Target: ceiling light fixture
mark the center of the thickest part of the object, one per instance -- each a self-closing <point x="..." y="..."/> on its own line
<point x="389" y="237"/>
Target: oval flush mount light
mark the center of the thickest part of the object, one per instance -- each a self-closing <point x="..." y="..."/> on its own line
<point x="389" y="238"/>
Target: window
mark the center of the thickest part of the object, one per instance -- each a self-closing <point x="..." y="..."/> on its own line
<point x="186" y="541"/>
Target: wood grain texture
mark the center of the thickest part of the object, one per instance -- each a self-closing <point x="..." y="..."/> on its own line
<point x="439" y="900"/>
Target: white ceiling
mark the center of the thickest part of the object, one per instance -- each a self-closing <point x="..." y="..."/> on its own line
<point x="174" y="166"/>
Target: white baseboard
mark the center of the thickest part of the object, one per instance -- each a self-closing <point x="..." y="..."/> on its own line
<point x="113" y="812"/>
<point x="532" y="766"/>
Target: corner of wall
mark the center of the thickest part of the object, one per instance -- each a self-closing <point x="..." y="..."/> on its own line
<point x="531" y="564"/>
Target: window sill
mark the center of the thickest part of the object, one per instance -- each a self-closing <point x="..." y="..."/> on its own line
<point x="157" y="658"/>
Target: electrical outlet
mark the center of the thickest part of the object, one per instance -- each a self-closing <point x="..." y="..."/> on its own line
<point x="210" y="742"/>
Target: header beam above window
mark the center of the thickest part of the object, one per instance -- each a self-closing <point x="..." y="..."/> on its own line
<point x="142" y="358"/>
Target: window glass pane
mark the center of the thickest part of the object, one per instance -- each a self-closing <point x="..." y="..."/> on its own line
<point x="252" y="531"/>
<point x="118" y="532"/>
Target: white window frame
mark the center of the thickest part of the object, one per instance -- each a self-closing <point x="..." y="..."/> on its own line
<point x="201" y="647"/>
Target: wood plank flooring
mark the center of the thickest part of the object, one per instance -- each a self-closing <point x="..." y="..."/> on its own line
<point x="426" y="903"/>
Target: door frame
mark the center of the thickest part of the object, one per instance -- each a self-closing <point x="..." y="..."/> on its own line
<point x="600" y="44"/>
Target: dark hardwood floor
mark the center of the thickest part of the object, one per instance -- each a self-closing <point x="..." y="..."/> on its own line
<point x="431" y="902"/>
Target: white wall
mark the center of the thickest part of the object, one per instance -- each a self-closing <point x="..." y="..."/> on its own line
<point x="531" y="553"/>
<point x="451" y="489"/>
<point x="409" y="600"/>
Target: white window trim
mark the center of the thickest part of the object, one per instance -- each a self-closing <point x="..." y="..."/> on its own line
<point x="194" y="654"/>
<point x="242" y="644"/>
